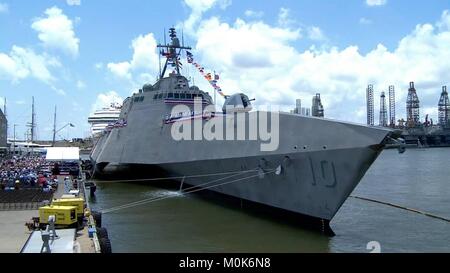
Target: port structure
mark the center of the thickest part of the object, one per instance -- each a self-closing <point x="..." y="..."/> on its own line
<point x="317" y="107"/>
<point x="383" y="111"/>
<point x="412" y="107"/>
<point x="370" y="105"/>
<point x="392" y="106"/>
<point x="298" y="106"/>
<point x="444" y="108"/>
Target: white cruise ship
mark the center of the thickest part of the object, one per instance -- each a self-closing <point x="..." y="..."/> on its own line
<point x="101" y="118"/>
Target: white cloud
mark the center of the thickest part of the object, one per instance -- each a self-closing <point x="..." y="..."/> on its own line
<point x="198" y="7"/>
<point x="258" y="59"/>
<point x="365" y="21"/>
<point x="144" y="60"/>
<point x="22" y="62"/>
<point x="98" y="65"/>
<point x="80" y="84"/>
<point x="244" y="44"/>
<point x="105" y="100"/>
<point x="121" y="70"/>
<point x="73" y="2"/>
<point x="444" y="22"/>
<point x="284" y="18"/>
<point x="223" y="4"/>
<point x="4" y="8"/>
<point x="316" y="34"/>
<point x="55" y="30"/>
<point x="376" y="2"/>
<point x="59" y="91"/>
<point x="254" y="14"/>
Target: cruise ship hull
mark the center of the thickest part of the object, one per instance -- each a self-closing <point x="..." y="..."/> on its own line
<point x="312" y="172"/>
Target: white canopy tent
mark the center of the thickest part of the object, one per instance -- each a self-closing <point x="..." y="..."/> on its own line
<point x="63" y="154"/>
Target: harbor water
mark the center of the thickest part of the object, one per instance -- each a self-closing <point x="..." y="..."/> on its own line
<point x="418" y="179"/>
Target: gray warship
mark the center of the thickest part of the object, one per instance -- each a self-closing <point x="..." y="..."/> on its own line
<point x="317" y="164"/>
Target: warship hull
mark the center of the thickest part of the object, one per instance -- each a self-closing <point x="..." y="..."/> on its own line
<point x="317" y="165"/>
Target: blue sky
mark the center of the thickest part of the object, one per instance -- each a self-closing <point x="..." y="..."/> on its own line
<point x="78" y="55"/>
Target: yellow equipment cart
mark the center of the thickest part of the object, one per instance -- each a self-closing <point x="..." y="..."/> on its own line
<point x="65" y="216"/>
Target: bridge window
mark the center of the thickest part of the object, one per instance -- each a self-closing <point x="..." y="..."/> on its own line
<point x="170" y="96"/>
<point x="189" y="96"/>
<point x="160" y="96"/>
<point x="176" y="95"/>
<point x="182" y="96"/>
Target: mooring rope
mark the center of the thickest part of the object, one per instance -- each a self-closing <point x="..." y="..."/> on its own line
<point x="172" y="177"/>
<point x="192" y="190"/>
<point x="402" y="207"/>
<point x="186" y="190"/>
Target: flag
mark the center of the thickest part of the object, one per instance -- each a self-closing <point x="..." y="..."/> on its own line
<point x="189" y="54"/>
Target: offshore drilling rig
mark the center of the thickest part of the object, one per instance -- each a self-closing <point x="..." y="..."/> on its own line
<point x="415" y="132"/>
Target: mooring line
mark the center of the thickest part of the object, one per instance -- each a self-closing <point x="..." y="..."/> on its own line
<point x="402" y="207"/>
<point x="186" y="190"/>
<point x="172" y="177"/>
<point x="154" y="199"/>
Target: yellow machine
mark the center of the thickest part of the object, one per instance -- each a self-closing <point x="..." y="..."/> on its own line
<point x="64" y="215"/>
<point x="76" y="202"/>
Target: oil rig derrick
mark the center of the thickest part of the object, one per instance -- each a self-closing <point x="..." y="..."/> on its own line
<point x="412" y="107"/>
<point x="383" y="111"/>
<point x="317" y="107"/>
<point x="444" y="108"/>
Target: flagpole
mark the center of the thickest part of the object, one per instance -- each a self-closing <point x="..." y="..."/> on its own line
<point x="215" y="102"/>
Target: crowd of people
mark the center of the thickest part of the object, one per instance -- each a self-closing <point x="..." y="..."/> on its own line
<point x="26" y="172"/>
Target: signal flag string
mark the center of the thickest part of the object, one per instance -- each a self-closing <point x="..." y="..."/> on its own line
<point x="208" y="76"/>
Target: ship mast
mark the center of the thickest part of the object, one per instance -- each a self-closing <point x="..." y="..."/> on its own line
<point x="32" y="120"/>
<point x="172" y="52"/>
<point x="54" y="129"/>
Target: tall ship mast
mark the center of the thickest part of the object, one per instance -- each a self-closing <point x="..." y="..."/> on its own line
<point x="311" y="169"/>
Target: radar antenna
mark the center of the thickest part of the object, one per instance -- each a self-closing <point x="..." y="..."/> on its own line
<point x="172" y="52"/>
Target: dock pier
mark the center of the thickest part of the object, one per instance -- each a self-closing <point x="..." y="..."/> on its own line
<point x="32" y="217"/>
<point x="71" y="240"/>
